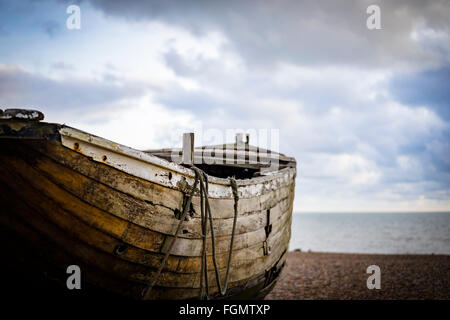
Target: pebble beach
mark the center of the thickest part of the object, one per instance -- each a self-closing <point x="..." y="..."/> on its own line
<point x="342" y="276"/>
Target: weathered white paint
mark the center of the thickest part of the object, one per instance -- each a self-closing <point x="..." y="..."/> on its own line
<point x="156" y="170"/>
<point x="21" y="114"/>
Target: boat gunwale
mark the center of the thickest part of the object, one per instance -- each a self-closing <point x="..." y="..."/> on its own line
<point x="67" y="131"/>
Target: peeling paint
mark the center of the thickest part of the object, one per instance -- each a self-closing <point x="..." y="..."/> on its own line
<point x="21" y="114"/>
<point x="166" y="173"/>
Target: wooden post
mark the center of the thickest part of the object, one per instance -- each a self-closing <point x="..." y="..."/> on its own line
<point x="239" y="139"/>
<point x="188" y="148"/>
<point x="240" y="157"/>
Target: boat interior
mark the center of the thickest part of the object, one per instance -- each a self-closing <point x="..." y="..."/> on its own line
<point x="238" y="160"/>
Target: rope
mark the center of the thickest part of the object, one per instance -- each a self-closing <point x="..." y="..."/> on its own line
<point x="149" y="288"/>
<point x="236" y="199"/>
<point x="204" y="186"/>
<point x="203" y="272"/>
<point x="202" y="178"/>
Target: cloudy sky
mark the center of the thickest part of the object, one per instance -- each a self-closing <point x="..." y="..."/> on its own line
<point x="366" y="113"/>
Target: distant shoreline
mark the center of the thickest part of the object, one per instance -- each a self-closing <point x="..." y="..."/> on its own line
<point x="382" y="233"/>
<point x="370" y="254"/>
<point x="367" y="212"/>
<point x="322" y="275"/>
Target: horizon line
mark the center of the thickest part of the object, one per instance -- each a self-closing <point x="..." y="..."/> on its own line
<point x="369" y="212"/>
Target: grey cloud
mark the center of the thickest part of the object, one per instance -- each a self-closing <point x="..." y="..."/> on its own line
<point x="430" y="88"/>
<point x="318" y="34"/>
<point x="21" y="89"/>
<point x="200" y="66"/>
<point x="302" y="32"/>
<point x="367" y="130"/>
<point x="315" y="34"/>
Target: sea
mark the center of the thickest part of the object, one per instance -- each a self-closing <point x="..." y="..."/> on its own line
<point x="379" y="233"/>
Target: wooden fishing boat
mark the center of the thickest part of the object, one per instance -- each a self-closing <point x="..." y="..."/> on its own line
<point x="136" y="222"/>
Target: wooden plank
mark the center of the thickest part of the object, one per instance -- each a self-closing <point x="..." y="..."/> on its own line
<point x="130" y="185"/>
<point x="116" y="179"/>
<point x="137" y="187"/>
<point x="153" y="193"/>
<point x="189" y="248"/>
<point x="256" y="282"/>
<point x="28" y="130"/>
<point x="102" y="241"/>
<point x="132" y="272"/>
<point x="53" y="254"/>
<point x="223" y="208"/>
<point x="159" y="219"/>
<point x="227" y="157"/>
<point x="32" y="217"/>
<point x="154" y="169"/>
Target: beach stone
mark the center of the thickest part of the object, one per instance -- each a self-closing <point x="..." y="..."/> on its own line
<point x="341" y="276"/>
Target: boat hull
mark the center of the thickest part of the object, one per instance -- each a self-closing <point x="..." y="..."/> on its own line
<point x="71" y="206"/>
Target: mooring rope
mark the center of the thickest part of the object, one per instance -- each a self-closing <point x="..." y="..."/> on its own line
<point x="230" y="252"/>
<point x="205" y="209"/>
<point x="149" y="288"/>
<point x="204" y="264"/>
<point x="204" y="188"/>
